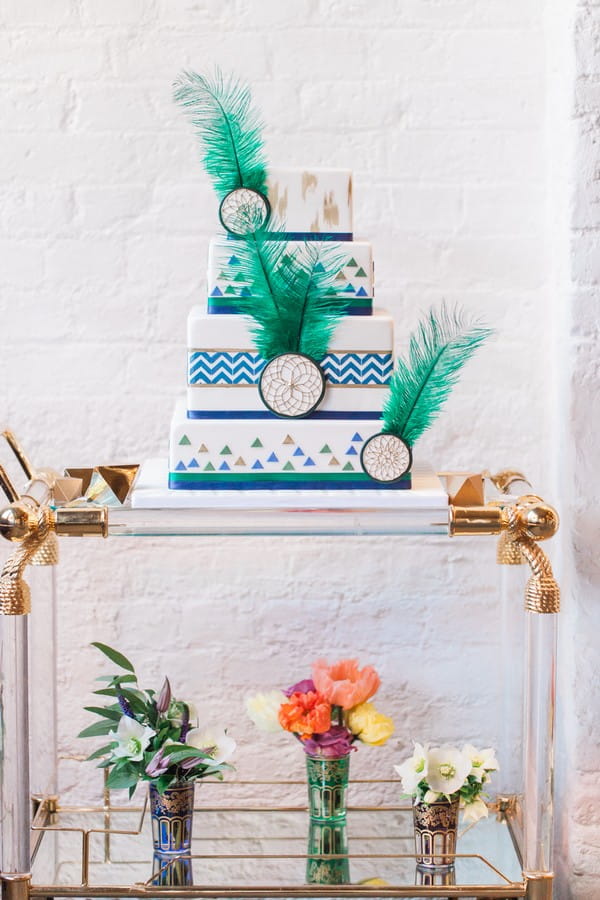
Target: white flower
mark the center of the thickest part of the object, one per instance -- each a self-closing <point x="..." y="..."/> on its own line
<point x="447" y="769"/>
<point x="175" y="712"/>
<point x="263" y="709"/>
<point x="413" y="770"/>
<point x="132" y="739"/>
<point x="213" y="741"/>
<point x="430" y="797"/>
<point x="482" y="762"/>
<point x="474" y="811"/>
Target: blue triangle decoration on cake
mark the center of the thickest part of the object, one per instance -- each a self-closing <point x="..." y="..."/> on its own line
<point x="224" y="466"/>
<point x="299" y="451"/>
<point x="272" y="458"/>
<point x="180" y="467"/>
<point x="233" y="261"/>
<point x="351" y="452"/>
<point x="216" y="292"/>
<point x="245" y="292"/>
<point x="193" y="464"/>
<point x="257" y="464"/>
<point x="356" y="437"/>
<point x="361" y="292"/>
<point x="309" y="462"/>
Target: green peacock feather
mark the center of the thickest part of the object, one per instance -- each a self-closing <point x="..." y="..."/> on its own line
<point x="420" y="385"/>
<point x="221" y="111"/>
<point x="292" y="303"/>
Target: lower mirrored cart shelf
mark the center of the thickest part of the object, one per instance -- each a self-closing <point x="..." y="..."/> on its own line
<point x="251" y="850"/>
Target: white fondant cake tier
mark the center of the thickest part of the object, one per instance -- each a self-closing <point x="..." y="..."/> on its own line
<point x="353" y="282"/>
<point x="224" y="366"/>
<point x="251" y="454"/>
<point x="311" y="202"/>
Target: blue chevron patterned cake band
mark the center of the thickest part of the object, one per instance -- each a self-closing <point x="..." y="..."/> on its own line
<point x="341" y="414"/>
<point x="240" y="367"/>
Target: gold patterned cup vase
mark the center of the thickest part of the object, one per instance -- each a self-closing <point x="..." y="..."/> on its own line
<point x="436" y="826"/>
<point x="327" y="787"/>
<point x="327" y="853"/>
<point x="172" y="815"/>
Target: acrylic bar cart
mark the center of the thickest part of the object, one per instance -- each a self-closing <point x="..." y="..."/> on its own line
<point x="53" y="851"/>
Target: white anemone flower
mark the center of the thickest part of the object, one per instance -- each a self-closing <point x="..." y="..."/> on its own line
<point x="132" y="739"/>
<point x="214" y="742"/>
<point x="263" y="709"/>
<point x="447" y="769"/>
<point x="482" y="761"/>
<point x="474" y="811"/>
<point x="414" y="770"/>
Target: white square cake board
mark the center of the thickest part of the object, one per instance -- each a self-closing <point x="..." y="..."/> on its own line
<point x="151" y="492"/>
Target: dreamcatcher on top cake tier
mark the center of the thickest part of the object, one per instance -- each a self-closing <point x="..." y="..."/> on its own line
<point x="290" y="291"/>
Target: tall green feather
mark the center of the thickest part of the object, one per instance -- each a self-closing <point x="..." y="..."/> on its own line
<point x="292" y="305"/>
<point x="221" y="111"/>
<point x="420" y="385"/>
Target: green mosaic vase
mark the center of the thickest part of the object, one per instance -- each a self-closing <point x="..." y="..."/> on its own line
<point x="327" y="853"/>
<point x="327" y="787"/>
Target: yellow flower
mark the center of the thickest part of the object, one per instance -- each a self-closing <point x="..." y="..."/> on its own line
<point x="369" y="726"/>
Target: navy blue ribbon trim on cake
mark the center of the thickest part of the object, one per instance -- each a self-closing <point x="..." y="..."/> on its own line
<point x="265" y="414"/>
<point x="278" y="485"/>
<point x="229" y="310"/>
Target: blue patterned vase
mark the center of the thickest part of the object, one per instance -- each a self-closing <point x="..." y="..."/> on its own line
<point x="170" y="870"/>
<point x="172" y="815"/>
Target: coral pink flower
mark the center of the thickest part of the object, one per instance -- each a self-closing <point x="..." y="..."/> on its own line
<point x="343" y="683"/>
<point x="305" y="714"/>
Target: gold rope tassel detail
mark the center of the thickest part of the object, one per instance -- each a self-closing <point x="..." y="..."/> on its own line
<point x="508" y="550"/>
<point x="542" y="593"/>
<point x="47" y="553"/>
<point x="15" y="597"/>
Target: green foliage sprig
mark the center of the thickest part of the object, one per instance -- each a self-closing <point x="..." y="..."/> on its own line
<point x="153" y="737"/>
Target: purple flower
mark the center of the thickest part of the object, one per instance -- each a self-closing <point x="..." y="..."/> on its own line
<point x="331" y="744"/>
<point x="164" y="698"/>
<point x="158" y="765"/>
<point x="302" y="687"/>
<point x="185" y="723"/>
<point x="125" y="707"/>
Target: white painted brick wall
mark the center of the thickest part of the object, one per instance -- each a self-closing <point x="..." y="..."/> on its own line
<point x="104" y="220"/>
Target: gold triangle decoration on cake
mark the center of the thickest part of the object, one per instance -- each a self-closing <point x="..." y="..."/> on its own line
<point x="203" y="448"/>
<point x="240" y="462"/>
<point x="333" y="461"/>
<point x="289" y="440"/>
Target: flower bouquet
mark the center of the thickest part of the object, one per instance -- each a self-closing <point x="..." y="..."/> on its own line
<point x="155" y="738"/>
<point x="327" y="713"/>
<point x="442" y="779"/>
